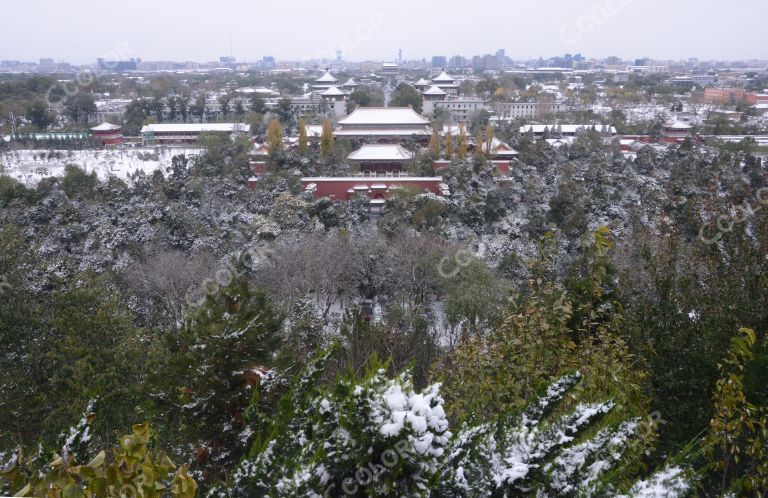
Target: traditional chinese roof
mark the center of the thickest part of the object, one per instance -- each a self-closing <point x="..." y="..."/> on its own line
<point x="332" y="92"/>
<point x="443" y="78"/>
<point x="434" y="90"/>
<point x="326" y="78"/>
<point x="677" y="125"/>
<point x="381" y="152"/>
<point x="363" y="116"/>
<point x="105" y="127"/>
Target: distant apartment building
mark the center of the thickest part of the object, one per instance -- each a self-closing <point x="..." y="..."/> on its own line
<point x="461" y="108"/>
<point x="111" y="109"/>
<point x="724" y="95"/>
<point x="757" y="98"/>
<point x="526" y="110"/>
<point x="439" y="61"/>
<point x="117" y="66"/>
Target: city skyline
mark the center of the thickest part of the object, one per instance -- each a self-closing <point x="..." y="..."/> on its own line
<point x="596" y="28"/>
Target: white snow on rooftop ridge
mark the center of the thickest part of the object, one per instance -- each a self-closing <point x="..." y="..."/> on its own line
<point x="326" y="78"/>
<point x="384" y="115"/>
<point x="381" y="152"/>
<point x="105" y="127"/>
<point x="434" y="90"/>
<point x="332" y="92"/>
<point x="444" y="77"/>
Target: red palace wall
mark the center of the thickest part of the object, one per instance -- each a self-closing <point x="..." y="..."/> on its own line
<point x="337" y="188"/>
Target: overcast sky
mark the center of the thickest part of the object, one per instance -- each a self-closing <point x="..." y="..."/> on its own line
<point x="198" y="30"/>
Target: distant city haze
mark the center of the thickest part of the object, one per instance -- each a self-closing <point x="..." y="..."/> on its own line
<point x="196" y="30"/>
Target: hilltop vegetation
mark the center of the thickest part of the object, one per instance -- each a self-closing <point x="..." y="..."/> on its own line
<point x="594" y="326"/>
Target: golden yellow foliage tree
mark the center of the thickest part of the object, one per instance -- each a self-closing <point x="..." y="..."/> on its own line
<point x="274" y="136"/>
<point x="479" y="146"/>
<point x="448" y="146"/>
<point x="303" y="142"/>
<point x="434" y="143"/>
<point x="461" y="146"/>
<point x="326" y="139"/>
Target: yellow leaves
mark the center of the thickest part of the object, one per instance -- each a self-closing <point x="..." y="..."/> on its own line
<point x="136" y="470"/>
<point x="603" y="241"/>
<point x="326" y="139"/>
<point x="183" y="485"/>
<point x="303" y="143"/>
<point x="98" y="460"/>
<point x="25" y="491"/>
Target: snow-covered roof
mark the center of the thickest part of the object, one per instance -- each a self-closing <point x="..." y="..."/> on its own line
<point x="677" y="125"/>
<point x="260" y="90"/>
<point x="326" y="78"/>
<point x="422" y="82"/>
<point x="314" y="130"/>
<point x="384" y="115"/>
<point x="453" y="130"/>
<point x="381" y="152"/>
<point x="350" y="82"/>
<point x="557" y="142"/>
<point x="332" y="92"/>
<point x="195" y="127"/>
<point x="443" y="78"/>
<point x="105" y="127"/>
<point x="434" y="90"/>
<point x="389" y="65"/>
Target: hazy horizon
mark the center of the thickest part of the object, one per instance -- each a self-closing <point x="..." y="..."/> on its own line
<point x="303" y="30"/>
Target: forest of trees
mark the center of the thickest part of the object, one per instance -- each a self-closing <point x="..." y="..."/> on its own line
<point x="595" y="326"/>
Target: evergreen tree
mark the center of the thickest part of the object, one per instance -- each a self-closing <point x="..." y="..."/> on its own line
<point x="214" y="364"/>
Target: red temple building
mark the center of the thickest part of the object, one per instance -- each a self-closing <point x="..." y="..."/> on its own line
<point x="107" y="134"/>
<point x="377" y="189"/>
<point x="380" y="159"/>
<point x="384" y="124"/>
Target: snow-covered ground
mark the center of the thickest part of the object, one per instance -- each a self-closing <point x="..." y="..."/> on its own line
<point x="31" y="166"/>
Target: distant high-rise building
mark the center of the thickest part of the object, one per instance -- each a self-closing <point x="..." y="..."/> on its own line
<point x="338" y="55"/>
<point x="645" y="61"/>
<point x="117" y="66"/>
<point x="226" y="59"/>
<point x="400" y="56"/>
<point x="457" y="61"/>
<point x="501" y="58"/>
<point x="439" y="61"/>
<point x="268" y="62"/>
